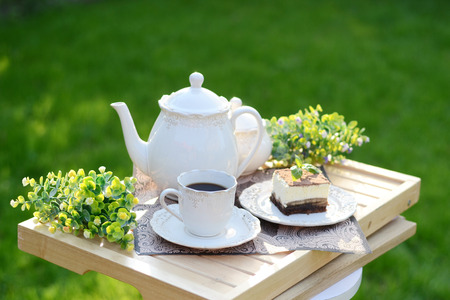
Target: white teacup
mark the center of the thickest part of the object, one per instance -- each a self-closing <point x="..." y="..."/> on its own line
<point x="205" y="199"/>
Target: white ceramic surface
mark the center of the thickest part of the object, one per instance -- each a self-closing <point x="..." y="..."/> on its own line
<point x="246" y="132"/>
<point x="341" y="205"/>
<point x="194" y="130"/>
<point x="204" y="213"/>
<point x="241" y="228"/>
<point x="344" y="289"/>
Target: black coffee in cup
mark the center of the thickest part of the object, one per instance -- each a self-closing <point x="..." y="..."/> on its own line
<point x="206" y="186"/>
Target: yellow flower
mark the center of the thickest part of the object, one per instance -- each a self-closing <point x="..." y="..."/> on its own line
<point x="78" y="195"/>
<point x="68" y="222"/>
<point x="108" y="192"/>
<point x="123" y="216"/>
<point x="130" y="246"/>
<point x="88" y="184"/>
<point x="72" y="173"/>
<point x="32" y="196"/>
<point x="100" y="197"/>
<point x="81" y="172"/>
<point x="63" y="206"/>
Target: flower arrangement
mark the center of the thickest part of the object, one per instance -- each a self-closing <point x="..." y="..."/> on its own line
<point x="307" y="139"/>
<point x="96" y="204"/>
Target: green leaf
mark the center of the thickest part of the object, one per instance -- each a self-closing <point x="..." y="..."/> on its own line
<point x="298" y="161"/>
<point x="352" y="124"/>
<point x="100" y="181"/>
<point x="108" y="175"/>
<point x="53" y="192"/>
<point x="128" y="237"/>
<point x="311" y="168"/>
<point x="45" y="196"/>
<point x="86" y="215"/>
<point x="296" y="173"/>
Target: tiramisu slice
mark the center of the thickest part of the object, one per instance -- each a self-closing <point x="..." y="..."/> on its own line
<point x="306" y="195"/>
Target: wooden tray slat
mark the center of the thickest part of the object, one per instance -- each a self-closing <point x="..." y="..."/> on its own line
<point x="362" y="176"/>
<point x="207" y="268"/>
<point x="359" y="187"/>
<point x="243" y="263"/>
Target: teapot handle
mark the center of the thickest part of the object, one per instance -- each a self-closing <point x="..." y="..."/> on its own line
<point x="248" y="110"/>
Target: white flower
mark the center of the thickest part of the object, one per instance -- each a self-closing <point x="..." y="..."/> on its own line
<point x="89" y="201"/>
<point x="87" y="234"/>
<point x="25" y="181"/>
<point x="102" y="169"/>
<point x="97" y="221"/>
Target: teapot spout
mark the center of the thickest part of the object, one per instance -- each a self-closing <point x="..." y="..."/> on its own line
<point x="136" y="147"/>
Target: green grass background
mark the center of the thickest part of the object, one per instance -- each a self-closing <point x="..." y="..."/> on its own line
<point x="383" y="63"/>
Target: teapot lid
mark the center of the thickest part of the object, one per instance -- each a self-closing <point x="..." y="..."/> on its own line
<point x="195" y="99"/>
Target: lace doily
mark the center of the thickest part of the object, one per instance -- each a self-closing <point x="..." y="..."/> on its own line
<point x="343" y="237"/>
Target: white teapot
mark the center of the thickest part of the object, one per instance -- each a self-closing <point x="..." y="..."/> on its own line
<point x="194" y="130"/>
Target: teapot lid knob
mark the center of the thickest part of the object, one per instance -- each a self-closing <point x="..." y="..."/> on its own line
<point x="196" y="80"/>
<point x="195" y="100"/>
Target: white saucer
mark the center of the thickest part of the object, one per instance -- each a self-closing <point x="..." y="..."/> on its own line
<point x="242" y="228"/>
<point x="255" y="199"/>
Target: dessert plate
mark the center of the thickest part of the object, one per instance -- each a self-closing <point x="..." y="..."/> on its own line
<point x="242" y="228"/>
<point x="255" y="199"/>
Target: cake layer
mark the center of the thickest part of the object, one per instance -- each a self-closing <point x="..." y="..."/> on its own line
<point x="301" y="207"/>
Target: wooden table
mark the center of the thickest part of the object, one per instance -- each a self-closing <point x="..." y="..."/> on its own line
<point x="381" y="195"/>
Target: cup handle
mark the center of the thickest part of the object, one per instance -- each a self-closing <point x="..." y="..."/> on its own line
<point x="248" y="110"/>
<point x="163" y="202"/>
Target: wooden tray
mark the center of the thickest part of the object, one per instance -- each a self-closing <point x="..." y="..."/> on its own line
<point x="381" y="195"/>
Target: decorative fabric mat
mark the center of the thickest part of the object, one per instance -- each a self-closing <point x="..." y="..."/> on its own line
<point x="343" y="237"/>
